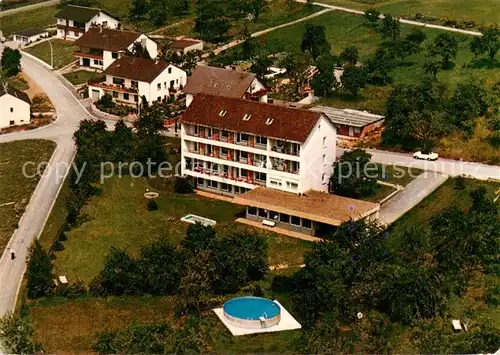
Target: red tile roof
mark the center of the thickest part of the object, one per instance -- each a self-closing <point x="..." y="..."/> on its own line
<point x="183" y="43"/>
<point x="107" y="39"/>
<point x="135" y="68"/>
<point x="218" y="81"/>
<point x="265" y="120"/>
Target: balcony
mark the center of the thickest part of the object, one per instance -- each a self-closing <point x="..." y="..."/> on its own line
<point x="112" y="87"/>
<point x="224" y="176"/>
<point x="259" y="162"/>
<point x="285" y="166"/>
<point x="88" y="55"/>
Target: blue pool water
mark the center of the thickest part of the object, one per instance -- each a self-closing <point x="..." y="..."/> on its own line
<point x="251" y="308"/>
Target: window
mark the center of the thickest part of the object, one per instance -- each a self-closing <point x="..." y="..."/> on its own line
<point x="126" y="96"/>
<point x="273" y="215"/>
<point x="118" y="81"/>
<point x="260" y="176"/>
<point x="96" y="61"/>
<point x="213" y="184"/>
<point x="323" y="178"/>
<point x="200" y="182"/>
<point x="114" y="55"/>
<point x="275" y="183"/>
<point x="134" y="84"/>
<point x="11" y="122"/>
<point x="170" y="70"/>
<point x="262" y="213"/>
<point x="12" y="109"/>
<point x="284" y="218"/>
<point x="224" y="187"/>
<point x="292" y="185"/>
<point x="324" y="141"/>
<point x="247" y="117"/>
<point x="158" y="99"/>
<point x="244" y="173"/>
<point x="222" y="113"/>
<point x="269" y="121"/>
<point x="323" y="159"/>
<point x="306" y="223"/>
<point x="252" y="211"/>
<point x="115" y="94"/>
<point x="165" y="84"/>
<point x="242" y="137"/>
<point x="223" y="151"/>
<point x="357" y="130"/>
<point x="295" y="221"/>
<point x="261" y="140"/>
<point x="172" y="83"/>
<point x="104" y="23"/>
<point x="136" y="98"/>
<point x="158" y="86"/>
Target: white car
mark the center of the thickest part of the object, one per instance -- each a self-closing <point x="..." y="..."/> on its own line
<point x="426" y="156"/>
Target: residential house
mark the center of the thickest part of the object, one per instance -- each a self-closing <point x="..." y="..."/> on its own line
<point x="352" y="124"/>
<point x="277" y="161"/>
<point x="73" y="21"/>
<point x="224" y="82"/>
<point x="128" y="79"/>
<point x="14" y="107"/>
<point x="99" y="47"/>
<point x="185" y="45"/>
<point x="29" y="35"/>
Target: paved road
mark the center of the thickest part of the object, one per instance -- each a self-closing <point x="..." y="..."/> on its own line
<point x="444" y="166"/>
<point x="70" y="112"/>
<point x="413" y="193"/>
<point x="28" y="7"/>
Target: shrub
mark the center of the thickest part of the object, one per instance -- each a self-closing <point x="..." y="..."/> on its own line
<point x="78" y="289"/>
<point x="152" y="205"/>
<point x="183" y="186"/>
<point x="57" y="246"/>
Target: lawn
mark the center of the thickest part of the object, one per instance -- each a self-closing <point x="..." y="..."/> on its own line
<point x="118" y="217"/>
<point x="277" y="13"/>
<point x="37" y="18"/>
<point x="480" y="11"/>
<point x="63" y="52"/>
<point x="82" y="76"/>
<point x="15" y="188"/>
<point x="15" y="81"/>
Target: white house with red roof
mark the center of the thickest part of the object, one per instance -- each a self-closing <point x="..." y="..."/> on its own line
<point x="99" y="47"/>
<point x="128" y="79"/>
<point x="73" y="21"/>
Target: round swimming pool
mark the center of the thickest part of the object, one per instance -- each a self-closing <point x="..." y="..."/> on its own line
<point x="252" y="312"/>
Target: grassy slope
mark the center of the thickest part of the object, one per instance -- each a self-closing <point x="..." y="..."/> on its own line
<point x="14" y="187"/>
<point x="63" y="52"/>
<point x="41" y="17"/>
<point x="480" y="11"/>
<point x="343" y="30"/>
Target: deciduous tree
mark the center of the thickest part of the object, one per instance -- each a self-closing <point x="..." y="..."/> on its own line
<point x="350" y="176"/>
<point x="11" y="61"/>
<point x="39" y="272"/>
<point x="353" y="79"/>
<point x="314" y="40"/>
<point x="390" y="27"/>
<point x="445" y="46"/>
<point x="350" y="55"/>
<point x="488" y="43"/>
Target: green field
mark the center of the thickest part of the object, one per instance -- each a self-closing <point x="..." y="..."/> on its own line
<point x="480" y="11"/>
<point x="62" y="51"/>
<point x="82" y="77"/>
<point x="343" y="30"/>
<point x="15" y="188"/>
<point x="39" y="18"/>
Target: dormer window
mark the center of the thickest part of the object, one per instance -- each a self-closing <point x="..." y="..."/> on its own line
<point x="269" y="121"/>
<point x="222" y="113"/>
<point x="247" y="117"/>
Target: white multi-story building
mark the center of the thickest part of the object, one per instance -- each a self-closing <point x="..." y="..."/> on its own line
<point x="100" y="47"/>
<point x="14" y="107"/>
<point x="73" y="21"/>
<point x="128" y="79"/>
<point x="224" y="82"/>
<point x="233" y="145"/>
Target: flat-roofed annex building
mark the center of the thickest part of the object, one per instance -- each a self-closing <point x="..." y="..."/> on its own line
<point x="352" y="124"/>
<point x="230" y="146"/>
<point x="312" y="212"/>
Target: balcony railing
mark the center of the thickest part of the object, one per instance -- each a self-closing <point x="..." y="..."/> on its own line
<point x="230" y="156"/>
<point x="113" y="87"/>
<point x="227" y="175"/>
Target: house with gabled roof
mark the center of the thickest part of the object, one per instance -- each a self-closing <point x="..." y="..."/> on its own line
<point x="224" y="82"/>
<point x="14" y="107"/>
<point x="128" y="79"/>
<point x="99" y="47"/>
<point x="73" y="21"/>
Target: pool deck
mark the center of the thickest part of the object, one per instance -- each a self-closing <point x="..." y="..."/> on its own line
<point x="287" y="322"/>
